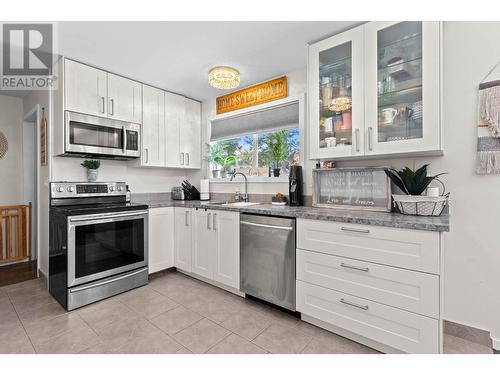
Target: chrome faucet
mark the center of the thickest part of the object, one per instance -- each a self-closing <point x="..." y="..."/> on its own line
<point x="240" y="197"/>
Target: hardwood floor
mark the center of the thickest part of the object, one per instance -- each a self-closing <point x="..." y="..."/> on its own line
<point x="16" y="273"/>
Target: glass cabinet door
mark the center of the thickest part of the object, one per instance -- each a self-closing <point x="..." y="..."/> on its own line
<point x="402" y="62"/>
<point x="336" y="114"/>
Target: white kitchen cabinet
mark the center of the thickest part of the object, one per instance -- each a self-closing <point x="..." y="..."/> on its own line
<point x="226" y="225"/>
<point x="161" y="238"/>
<point x="183" y="129"/>
<point x="153" y="127"/>
<point x="183" y="238"/>
<point x="387" y="75"/>
<point x="124" y="99"/>
<point x="85" y="89"/>
<point x="216" y="246"/>
<point x="204" y="243"/>
<point x="93" y="91"/>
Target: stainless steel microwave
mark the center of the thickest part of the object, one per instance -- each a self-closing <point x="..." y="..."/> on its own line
<point x="91" y="135"/>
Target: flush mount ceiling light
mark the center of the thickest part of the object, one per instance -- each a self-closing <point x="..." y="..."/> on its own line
<point x="224" y="77"/>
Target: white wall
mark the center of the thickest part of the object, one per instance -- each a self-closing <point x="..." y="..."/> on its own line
<point x="11" y="124"/>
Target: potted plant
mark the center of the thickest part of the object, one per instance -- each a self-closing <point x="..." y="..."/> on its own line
<point x="277" y="148"/>
<point x="225" y="162"/>
<point x="92" y="167"/>
<point x="413" y="184"/>
<point x="215" y="155"/>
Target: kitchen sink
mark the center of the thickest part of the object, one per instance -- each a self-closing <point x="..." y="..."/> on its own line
<point x="236" y="204"/>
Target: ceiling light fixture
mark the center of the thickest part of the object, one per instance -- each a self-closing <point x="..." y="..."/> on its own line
<point x="224" y="77"/>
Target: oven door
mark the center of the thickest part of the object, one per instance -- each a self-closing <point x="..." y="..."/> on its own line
<point x="103" y="245"/>
<point x="85" y="134"/>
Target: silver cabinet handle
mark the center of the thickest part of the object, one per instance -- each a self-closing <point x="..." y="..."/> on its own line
<point x="356" y="135"/>
<point x="362" y="307"/>
<point x="187" y="158"/>
<point x="208" y="221"/>
<point x="345" y="229"/>
<point x="370" y="138"/>
<point x="289" y="229"/>
<point x="345" y="265"/>
<point x="182" y="158"/>
<point x="147" y="155"/>
<point x="214" y="221"/>
<point x="118" y="215"/>
<point x="103" y="103"/>
<point x="111" y="107"/>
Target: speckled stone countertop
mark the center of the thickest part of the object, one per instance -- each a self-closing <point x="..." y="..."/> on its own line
<point x="385" y="219"/>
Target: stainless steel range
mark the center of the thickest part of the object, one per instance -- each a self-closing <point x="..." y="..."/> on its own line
<point x="98" y="242"/>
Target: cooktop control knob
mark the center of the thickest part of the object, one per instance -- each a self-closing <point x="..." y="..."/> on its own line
<point x="71" y="189"/>
<point x="60" y="189"/>
<point x="120" y="188"/>
<point x="111" y="188"/>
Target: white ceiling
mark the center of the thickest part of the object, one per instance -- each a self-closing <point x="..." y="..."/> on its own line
<point x="177" y="56"/>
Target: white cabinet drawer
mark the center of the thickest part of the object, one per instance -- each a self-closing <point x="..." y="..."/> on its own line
<point x="405" y="331"/>
<point x="409" y="290"/>
<point x="405" y="248"/>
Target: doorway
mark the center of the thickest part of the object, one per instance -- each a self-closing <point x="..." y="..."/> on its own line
<point x="24" y="266"/>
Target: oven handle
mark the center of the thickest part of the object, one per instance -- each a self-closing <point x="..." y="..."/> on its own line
<point x="124" y="139"/>
<point x="79" y="289"/>
<point x="106" y="216"/>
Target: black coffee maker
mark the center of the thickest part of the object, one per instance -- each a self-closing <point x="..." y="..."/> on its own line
<point x="295" y="186"/>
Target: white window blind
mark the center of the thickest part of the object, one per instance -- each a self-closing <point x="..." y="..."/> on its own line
<point x="262" y="121"/>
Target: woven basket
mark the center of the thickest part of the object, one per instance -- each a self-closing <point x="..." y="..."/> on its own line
<point x="420" y="205"/>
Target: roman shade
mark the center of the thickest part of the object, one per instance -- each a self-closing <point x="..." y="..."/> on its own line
<point x="261" y="121"/>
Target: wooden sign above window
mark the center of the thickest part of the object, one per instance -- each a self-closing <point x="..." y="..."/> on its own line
<point x="252" y="95"/>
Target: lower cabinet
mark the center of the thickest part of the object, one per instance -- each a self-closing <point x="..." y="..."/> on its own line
<point x="216" y="246"/>
<point x="183" y="238"/>
<point x="161" y="238"/>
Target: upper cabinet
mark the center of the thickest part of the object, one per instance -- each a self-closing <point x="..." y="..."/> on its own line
<point x="375" y="91"/>
<point x="153" y="127"/>
<point x="96" y="92"/>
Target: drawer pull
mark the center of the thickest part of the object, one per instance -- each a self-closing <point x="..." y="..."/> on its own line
<point x="364" y="269"/>
<point x="362" y="307"/>
<point x="345" y="229"/>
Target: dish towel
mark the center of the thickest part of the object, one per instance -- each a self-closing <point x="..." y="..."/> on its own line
<point x="488" y="140"/>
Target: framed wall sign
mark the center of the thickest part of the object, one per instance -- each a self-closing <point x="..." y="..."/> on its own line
<point x="353" y="188"/>
<point x="257" y="94"/>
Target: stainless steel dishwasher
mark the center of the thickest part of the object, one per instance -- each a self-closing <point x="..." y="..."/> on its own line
<point x="267" y="256"/>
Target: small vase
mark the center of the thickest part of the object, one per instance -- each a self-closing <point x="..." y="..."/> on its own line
<point x="223" y="174"/>
<point x="92" y="175"/>
<point x="215" y="173"/>
<point x="276" y="172"/>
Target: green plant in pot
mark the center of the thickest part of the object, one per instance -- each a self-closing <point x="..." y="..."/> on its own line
<point x="411" y="182"/>
<point x="92" y="167"/>
<point x="225" y="162"/>
<point x="277" y="149"/>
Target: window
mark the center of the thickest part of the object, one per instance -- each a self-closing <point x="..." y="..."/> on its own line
<point x="263" y="142"/>
<point x="257" y="154"/>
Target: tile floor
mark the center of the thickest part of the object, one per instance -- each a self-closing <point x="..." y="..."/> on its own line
<point x="173" y="314"/>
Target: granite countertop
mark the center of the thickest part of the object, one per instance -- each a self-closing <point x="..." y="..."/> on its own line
<point x="386" y="219"/>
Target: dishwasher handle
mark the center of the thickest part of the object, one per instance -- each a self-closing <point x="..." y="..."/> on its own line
<point x="267" y="226"/>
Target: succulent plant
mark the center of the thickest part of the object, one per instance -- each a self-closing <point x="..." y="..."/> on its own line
<point x="409" y="181"/>
<point x="91" y="164"/>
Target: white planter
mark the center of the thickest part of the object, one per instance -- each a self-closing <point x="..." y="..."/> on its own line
<point x="92" y="175"/>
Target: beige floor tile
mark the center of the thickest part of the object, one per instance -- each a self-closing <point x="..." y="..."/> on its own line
<point x="8" y="317"/>
<point x="176" y="320"/>
<point x="235" y="344"/>
<point x="15" y="341"/>
<point x="40" y="313"/>
<point x="217" y="310"/>
<point x="457" y="345"/>
<point x="106" y="312"/>
<point x="44" y="330"/>
<point x="184" y="350"/>
<point x="335" y="344"/>
<point x="97" y="349"/>
<point x="246" y="323"/>
<point x="145" y="292"/>
<point x="147" y="339"/>
<point x="27" y="302"/>
<point x="118" y="333"/>
<point x="280" y="339"/>
<point x="150" y="306"/>
<point x="201" y="336"/>
<point x="33" y="284"/>
<point x="70" y="342"/>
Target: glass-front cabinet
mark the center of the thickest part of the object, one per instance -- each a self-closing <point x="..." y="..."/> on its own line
<point x="336" y="89"/>
<point x="383" y="100"/>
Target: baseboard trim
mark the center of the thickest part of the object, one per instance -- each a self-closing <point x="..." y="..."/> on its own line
<point x="476" y="335"/>
<point x="212" y="282"/>
<point x="161" y="273"/>
<point x="42" y="276"/>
